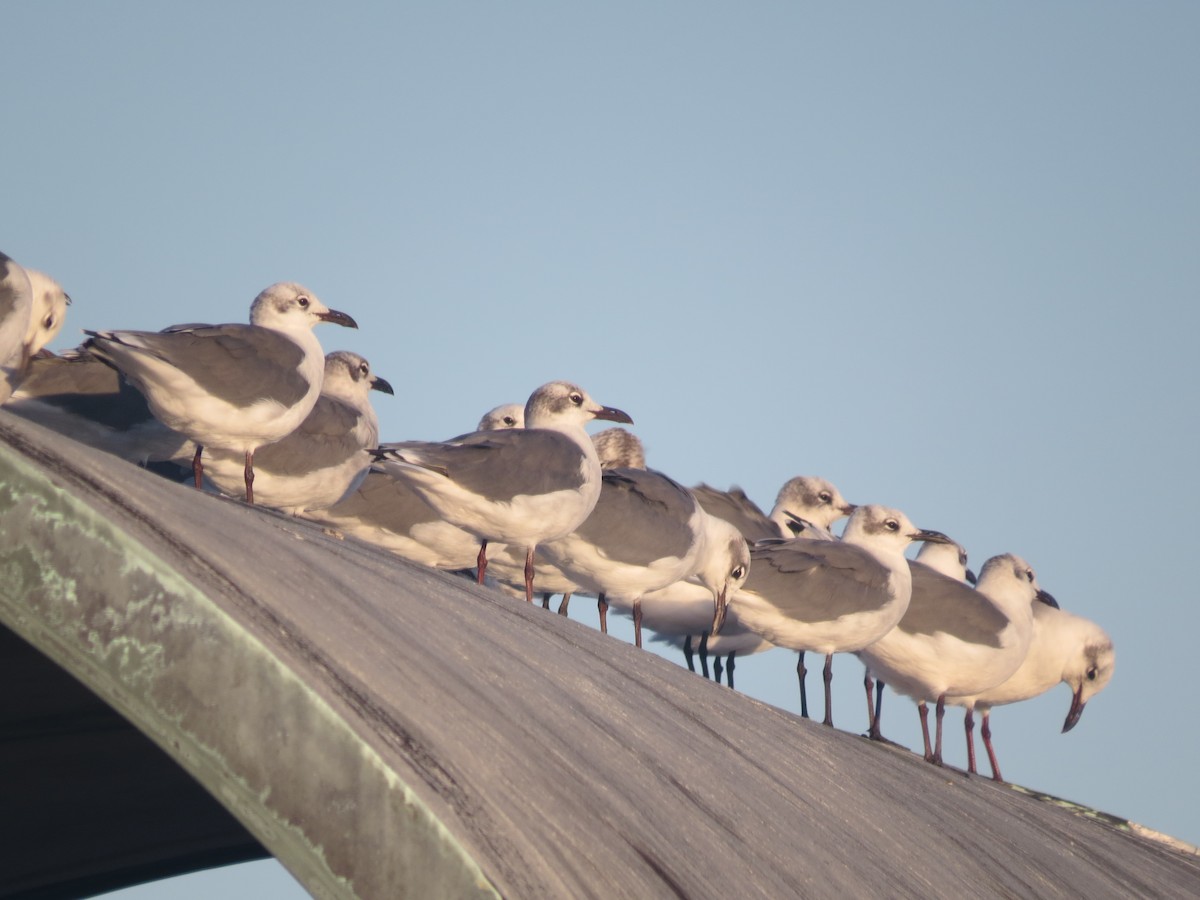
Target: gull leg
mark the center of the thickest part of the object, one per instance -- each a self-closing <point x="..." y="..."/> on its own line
<point x="800" y="673"/>
<point x="827" y="676"/>
<point x="869" y="685"/>
<point x="718" y="669"/>
<point x="198" y="467"/>
<point x="969" y="728"/>
<point x="637" y="623"/>
<point x="481" y="563"/>
<point x="704" y="654"/>
<point x="985" y="732"/>
<point x="923" y="711"/>
<point x="546" y="601"/>
<point x="688" y="654"/>
<point x="937" y="742"/>
<point x="562" y="607"/>
<point x="602" y="608"/>
<point x="529" y="575"/>
<point x="729" y="669"/>
<point x="250" y="477"/>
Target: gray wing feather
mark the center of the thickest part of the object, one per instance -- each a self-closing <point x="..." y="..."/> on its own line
<point x="325" y="438"/>
<point x="385" y="502"/>
<point x="817" y="581"/>
<point x="86" y="387"/>
<point x="941" y="604"/>
<point x="641" y="516"/>
<point x="738" y="510"/>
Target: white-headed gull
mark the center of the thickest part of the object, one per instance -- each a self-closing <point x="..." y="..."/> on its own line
<point x="16" y="307"/>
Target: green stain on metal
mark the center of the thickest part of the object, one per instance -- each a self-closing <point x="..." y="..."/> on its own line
<point x="218" y="700"/>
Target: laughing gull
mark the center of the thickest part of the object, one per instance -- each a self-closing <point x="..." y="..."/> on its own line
<point x="1064" y="647"/>
<point x="805" y="504"/>
<point x="326" y="457"/>
<point x="16" y="307"/>
<point x="520" y="486"/>
<point x="619" y="448"/>
<point x="954" y="640"/>
<point x="950" y="559"/>
<point x="230" y="387"/>
<point x="87" y="400"/>
<point x="832" y="596"/>
<point x="507" y="415"/>
<point x="49" y="310"/>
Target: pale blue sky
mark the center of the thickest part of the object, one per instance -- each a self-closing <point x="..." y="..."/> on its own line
<point x="944" y="255"/>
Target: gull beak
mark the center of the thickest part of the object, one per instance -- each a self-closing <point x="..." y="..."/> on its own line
<point x="719" y="612"/>
<point x="971" y="577"/>
<point x="610" y="414"/>
<point x="381" y="384"/>
<point x="848" y="508"/>
<point x="1046" y="598"/>
<point x="932" y="537"/>
<point x="1076" y="710"/>
<point x="337" y="318"/>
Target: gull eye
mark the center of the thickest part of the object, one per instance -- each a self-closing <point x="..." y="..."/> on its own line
<point x="891" y="524"/>
<point x="303" y="301"/>
<point x="510" y="421"/>
<point x="48" y="322"/>
<point x="825" y="497"/>
<point x="364" y="368"/>
<point x="738" y="572"/>
<point x="1091" y="673"/>
<point x="577" y="398"/>
<point x="1029" y="575"/>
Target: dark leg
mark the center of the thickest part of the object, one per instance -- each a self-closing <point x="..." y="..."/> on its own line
<point x="876" y="732"/>
<point x="985" y="732"/>
<point x="529" y="575"/>
<point x="923" y="711"/>
<point x="481" y="563"/>
<point x="937" y="741"/>
<point x="562" y="607"/>
<point x="869" y="686"/>
<point x="827" y="675"/>
<point x="704" y="654"/>
<point x="198" y="467"/>
<point x="729" y="669"/>
<point x="546" y="601"/>
<point x="637" y="623"/>
<point x="800" y="673"/>
<point x="602" y="608"/>
<point x="969" y="728"/>
<point x="250" y="477"/>
<point x="718" y="669"/>
<point x="688" y="654"/>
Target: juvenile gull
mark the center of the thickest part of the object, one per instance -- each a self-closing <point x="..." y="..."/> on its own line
<point x="832" y="596"/>
<point x="16" y="307"/>
<point x="230" y="387"/>
<point x="1064" y="647"/>
<point x="953" y="640"/>
<point x="326" y="456"/>
<point x="520" y="486"/>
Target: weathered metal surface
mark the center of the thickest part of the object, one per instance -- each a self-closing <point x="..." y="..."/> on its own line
<point x="373" y="723"/>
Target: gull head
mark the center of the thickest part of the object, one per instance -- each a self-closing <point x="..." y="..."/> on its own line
<point x="507" y="415"/>
<point x="882" y="527"/>
<point x="348" y="375"/>
<point x="812" y="499"/>
<point x="619" y="448"/>
<point x="724" y="565"/>
<point x="949" y="558"/>
<point x="287" y="306"/>
<point x="50" y="304"/>
<point x="1088" y="669"/>
<point x="561" y="405"/>
<point x="1008" y="570"/>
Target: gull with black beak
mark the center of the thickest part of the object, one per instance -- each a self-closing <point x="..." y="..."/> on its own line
<point x="832" y="596"/>
<point x="806" y="506"/>
<point x="1064" y="647"/>
<point x="326" y="457"/>
<point x="230" y="387"/>
<point x="518" y="486"/>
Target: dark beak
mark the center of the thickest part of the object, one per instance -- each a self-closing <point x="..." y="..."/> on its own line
<point x="1047" y="599"/>
<point x="719" y="613"/>
<point x="337" y="318"/>
<point x="848" y="508"/>
<point x="381" y="384"/>
<point x="1076" y="710"/>
<point x="971" y="577"/>
<point x="610" y="414"/>
<point x="933" y="537"/>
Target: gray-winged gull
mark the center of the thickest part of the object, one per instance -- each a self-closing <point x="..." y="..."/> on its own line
<point x="506" y="415"/>
<point x="49" y="309"/>
<point x="955" y="640"/>
<point x="519" y="486"/>
<point x="326" y="456"/>
<point x="803" y="501"/>
<point x="230" y="387"/>
<point x="832" y="596"/>
<point x="1064" y="647"/>
<point x="16" y="307"/>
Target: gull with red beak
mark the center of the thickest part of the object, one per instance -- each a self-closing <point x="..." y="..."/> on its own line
<point x="521" y="487"/>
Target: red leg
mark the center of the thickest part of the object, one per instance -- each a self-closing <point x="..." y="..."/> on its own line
<point x="562" y="607"/>
<point x="637" y="623"/>
<point x="923" y="711"/>
<point x="529" y="575"/>
<point x="198" y="467"/>
<point x="602" y="608"/>
<point x="481" y="563"/>
<point x="937" y="742"/>
<point x="250" y="477"/>
<point x="969" y="727"/>
<point x="827" y="675"/>
<point x="985" y="731"/>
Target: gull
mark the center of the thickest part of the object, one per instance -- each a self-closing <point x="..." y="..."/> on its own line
<point x="83" y="398"/>
<point x="805" y="501"/>
<point x="49" y="310"/>
<point x="507" y="415"/>
<point x="832" y="596"/>
<point x="325" y="458"/>
<point x="230" y="387"/>
<point x="950" y="559"/>
<point x="16" y="307"/>
<point x="385" y="511"/>
<point x="1064" y="647"/>
<point x="518" y="486"/>
<point x="953" y="640"/>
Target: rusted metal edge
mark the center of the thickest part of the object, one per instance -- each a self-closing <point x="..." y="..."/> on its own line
<point x="218" y="700"/>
